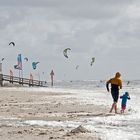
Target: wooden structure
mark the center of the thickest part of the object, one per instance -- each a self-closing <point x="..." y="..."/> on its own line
<point x="21" y="81"/>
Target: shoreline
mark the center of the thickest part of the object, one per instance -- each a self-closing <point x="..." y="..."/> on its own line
<point x="45" y="106"/>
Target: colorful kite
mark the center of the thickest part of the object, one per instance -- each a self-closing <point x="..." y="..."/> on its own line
<point x="34" y="64"/>
<point x="19" y="61"/>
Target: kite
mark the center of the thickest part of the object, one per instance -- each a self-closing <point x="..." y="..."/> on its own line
<point x="92" y="61"/>
<point x="65" y="52"/>
<point x="2" y="59"/>
<point x="26" y="58"/>
<point x="77" y="66"/>
<point x="34" y="64"/>
<point x="12" y="43"/>
<point x="16" y="66"/>
<point x="19" y="62"/>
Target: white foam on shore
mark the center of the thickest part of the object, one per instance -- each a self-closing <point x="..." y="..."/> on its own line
<point x="119" y="126"/>
<point x="47" y="90"/>
<point x="116" y="127"/>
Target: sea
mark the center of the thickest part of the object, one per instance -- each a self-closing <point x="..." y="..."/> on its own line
<point x="114" y="127"/>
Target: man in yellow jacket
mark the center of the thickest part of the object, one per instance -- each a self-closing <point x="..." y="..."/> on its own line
<point x="116" y="84"/>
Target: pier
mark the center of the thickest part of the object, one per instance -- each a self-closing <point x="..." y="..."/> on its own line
<point x="21" y="81"/>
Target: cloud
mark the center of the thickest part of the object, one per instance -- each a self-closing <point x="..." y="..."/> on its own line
<point x="75" y="8"/>
<point x="43" y="29"/>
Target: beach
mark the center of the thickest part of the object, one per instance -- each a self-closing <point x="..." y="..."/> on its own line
<point x="19" y="106"/>
<point x="76" y="111"/>
<point x="65" y="65"/>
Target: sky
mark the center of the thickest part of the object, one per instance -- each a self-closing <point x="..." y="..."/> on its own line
<point x="108" y="30"/>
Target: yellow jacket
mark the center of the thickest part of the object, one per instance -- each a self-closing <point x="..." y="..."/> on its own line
<point x="115" y="82"/>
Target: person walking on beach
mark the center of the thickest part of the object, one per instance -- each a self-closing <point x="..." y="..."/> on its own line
<point x="124" y="98"/>
<point x="31" y="80"/>
<point x="52" y="74"/>
<point x="11" y="76"/>
<point x="116" y="84"/>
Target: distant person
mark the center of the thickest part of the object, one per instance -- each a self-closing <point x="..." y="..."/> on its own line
<point x="11" y="76"/>
<point x="52" y="74"/>
<point x="124" y="98"/>
<point x="31" y="80"/>
<point x="116" y="84"/>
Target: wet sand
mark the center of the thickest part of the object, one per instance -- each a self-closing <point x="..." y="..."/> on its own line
<point x="17" y="106"/>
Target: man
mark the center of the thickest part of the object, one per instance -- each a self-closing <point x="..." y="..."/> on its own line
<point x="52" y="74"/>
<point x="116" y="84"/>
<point x="31" y="80"/>
<point x="11" y="76"/>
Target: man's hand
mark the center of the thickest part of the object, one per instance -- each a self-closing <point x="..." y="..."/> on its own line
<point x="107" y="87"/>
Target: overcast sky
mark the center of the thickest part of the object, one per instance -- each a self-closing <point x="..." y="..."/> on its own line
<point x="108" y="30"/>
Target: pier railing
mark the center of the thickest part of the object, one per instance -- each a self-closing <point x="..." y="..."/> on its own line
<point x="21" y="81"/>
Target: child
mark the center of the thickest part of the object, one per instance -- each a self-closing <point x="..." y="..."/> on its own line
<point x="124" y="98"/>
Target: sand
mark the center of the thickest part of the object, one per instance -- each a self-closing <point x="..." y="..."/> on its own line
<point x="18" y="106"/>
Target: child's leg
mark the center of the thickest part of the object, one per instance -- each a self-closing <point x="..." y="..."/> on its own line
<point x="122" y="111"/>
<point x="123" y="108"/>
